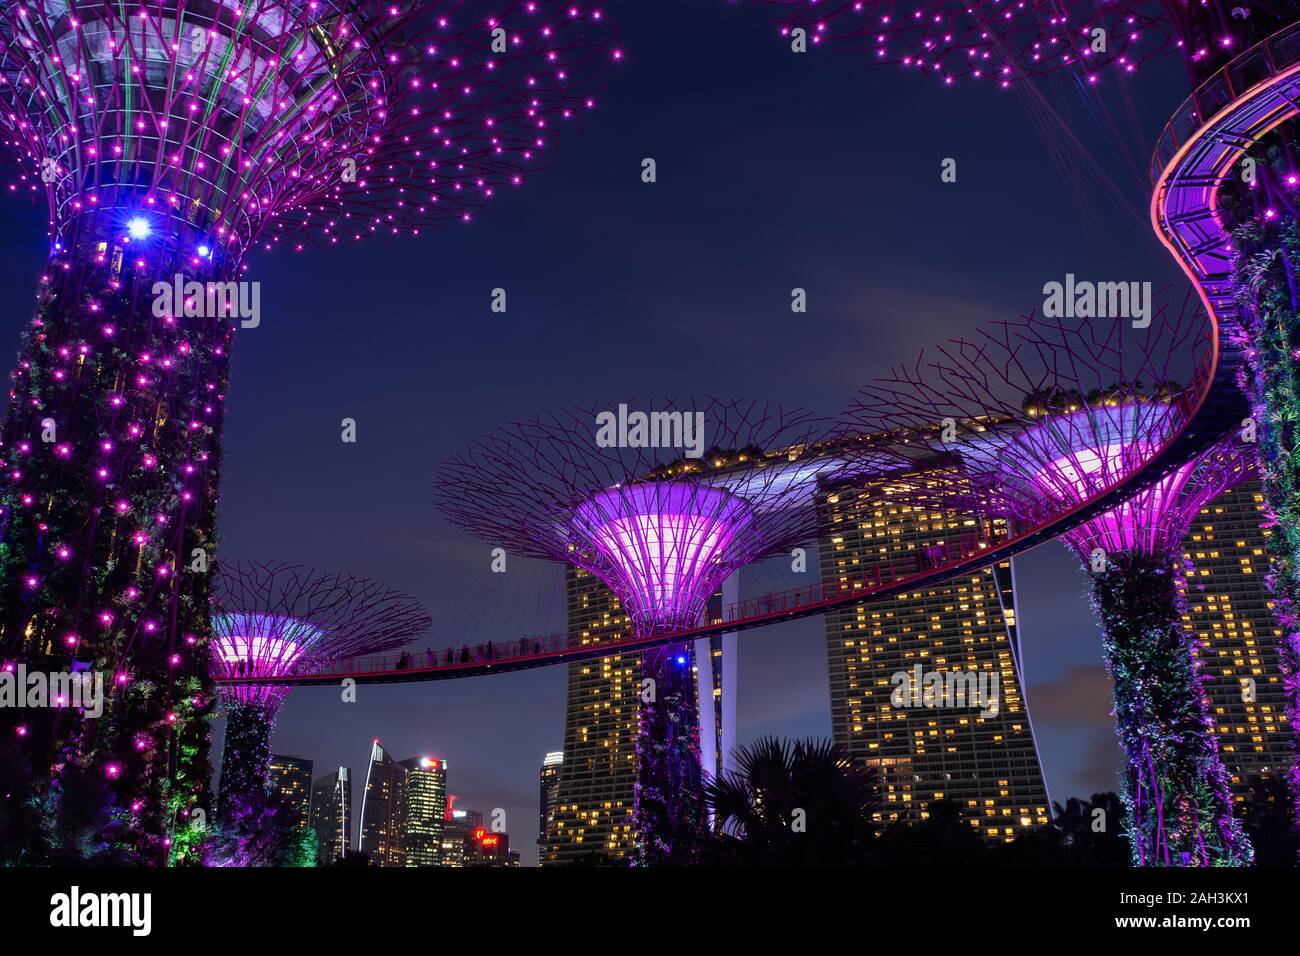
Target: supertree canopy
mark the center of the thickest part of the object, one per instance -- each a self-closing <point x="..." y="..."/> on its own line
<point x="1045" y="417"/>
<point x="270" y="620"/>
<point x="186" y="132"/>
<point x="169" y="138"/>
<point x="1002" y="41"/>
<point x="662" y="502"/>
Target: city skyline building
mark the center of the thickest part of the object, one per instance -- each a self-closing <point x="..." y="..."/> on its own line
<point x="457" y="833"/>
<point x="593" y="797"/>
<point x="383" y="809"/>
<point x="979" y="754"/>
<point x="331" y="815"/>
<point x="550" y="782"/>
<point x="425" y="806"/>
<point x="486" y="848"/>
<point x="291" y="780"/>
<point x="1230" y="613"/>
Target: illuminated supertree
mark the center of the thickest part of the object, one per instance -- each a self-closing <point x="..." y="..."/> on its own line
<point x="169" y="138"/>
<point x="1043" y="416"/>
<point x="270" y="620"/>
<point x="662" y="502"/>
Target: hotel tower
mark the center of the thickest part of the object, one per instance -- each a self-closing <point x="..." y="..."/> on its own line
<point x="1231" y="614"/>
<point x="985" y="762"/>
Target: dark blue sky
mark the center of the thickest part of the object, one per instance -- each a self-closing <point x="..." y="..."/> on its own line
<point x="775" y="170"/>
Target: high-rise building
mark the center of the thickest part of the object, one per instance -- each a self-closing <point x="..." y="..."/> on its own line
<point x="456" y="834"/>
<point x="1230" y="612"/>
<point x="467" y="842"/>
<point x="983" y="758"/>
<point x="485" y="848"/>
<point x="717" y="714"/>
<point x="593" y="795"/>
<point x="593" y="800"/>
<point x="331" y="815"/>
<point x="291" y="780"/>
<point x="425" y="782"/>
<point x="550" y="779"/>
<point x="383" y="809"/>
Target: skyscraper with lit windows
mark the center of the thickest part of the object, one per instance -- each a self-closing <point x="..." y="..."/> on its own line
<point x="550" y="781"/>
<point x="986" y="763"/>
<point x="1230" y="612"/>
<point x="425" y="801"/>
<point x="593" y="799"/>
<point x="291" y="780"/>
<point x="457" y="832"/>
<point x="597" y="768"/>
<point x="331" y="815"/>
<point x="383" y="809"/>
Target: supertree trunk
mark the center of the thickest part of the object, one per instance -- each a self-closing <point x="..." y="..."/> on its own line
<point x="107" y="509"/>
<point x="245" y="756"/>
<point x="1175" y="787"/>
<point x="668" y="813"/>
<point x="1267" y="239"/>
<point x="1273" y="387"/>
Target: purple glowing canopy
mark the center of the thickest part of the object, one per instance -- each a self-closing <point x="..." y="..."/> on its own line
<point x="661" y="524"/>
<point x="274" y="619"/>
<point x="1071" y="457"/>
<point x="663" y="547"/>
<point x="260" y="645"/>
<point x="1041" y="415"/>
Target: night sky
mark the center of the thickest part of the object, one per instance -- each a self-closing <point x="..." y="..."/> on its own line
<point x="774" y="171"/>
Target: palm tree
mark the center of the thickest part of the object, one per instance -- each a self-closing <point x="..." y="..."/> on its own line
<point x="793" y="803"/>
<point x="1091" y="832"/>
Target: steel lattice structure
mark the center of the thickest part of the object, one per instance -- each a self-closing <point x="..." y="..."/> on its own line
<point x="1051" y="414"/>
<point x="662" y="530"/>
<point x="981" y="401"/>
<point x="270" y="619"/>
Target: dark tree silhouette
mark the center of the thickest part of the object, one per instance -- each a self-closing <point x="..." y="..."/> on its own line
<point x="352" y="859"/>
<point x="943" y="837"/>
<point x="793" y="803"/>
